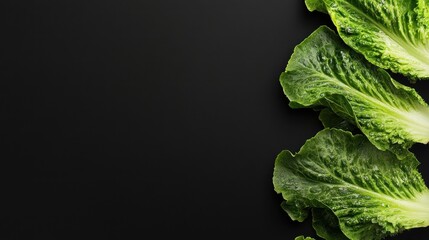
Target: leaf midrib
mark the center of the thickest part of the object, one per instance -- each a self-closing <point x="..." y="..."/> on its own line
<point x="372" y="99"/>
<point x="400" y="41"/>
<point x="399" y="202"/>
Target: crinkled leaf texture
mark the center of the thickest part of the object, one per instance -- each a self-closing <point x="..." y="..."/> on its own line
<point x="392" y="34"/>
<point x="323" y="71"/>
<point x="367" y="193"/>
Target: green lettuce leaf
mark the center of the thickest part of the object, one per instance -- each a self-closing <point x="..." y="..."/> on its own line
<point x="392" y="34"/>
<point x="331" y="120"/>
<point x="304" y="238"/>
<point x="370" y="192"/>
<point x="316" y="5"/>
<point x="323" y="71"/>
<point x="326" y="224"/>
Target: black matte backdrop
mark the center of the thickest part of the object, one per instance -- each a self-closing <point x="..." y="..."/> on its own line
<point x="150" y="119"/>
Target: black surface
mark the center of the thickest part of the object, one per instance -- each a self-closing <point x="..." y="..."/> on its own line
<point x="136" y="119"/>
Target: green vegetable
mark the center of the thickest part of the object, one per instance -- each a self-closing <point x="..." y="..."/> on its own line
<point x="303" y="238"/>
<point x="326" y="224"/>
<point x="331" y="120"/>
<point x="316" y="5"/>
<point x="355" y="190"/>
<point x="324" y="72"/>
<point x="392" y="34"/>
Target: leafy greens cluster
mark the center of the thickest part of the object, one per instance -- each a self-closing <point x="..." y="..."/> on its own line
<point x="357" y="177"/>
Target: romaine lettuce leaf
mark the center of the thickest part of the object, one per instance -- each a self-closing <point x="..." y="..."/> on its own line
<point x="304" y="238"/>
<point x="326" y="224"/>
<point x="331" y="120"/>
<point x="370" y="192"/>
<point x="392" y="34"/>
<point x="316" y="5"/>
<point x="323" y="71"/>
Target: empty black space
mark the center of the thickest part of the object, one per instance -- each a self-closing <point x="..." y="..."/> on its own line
<point x="150" y="119"/>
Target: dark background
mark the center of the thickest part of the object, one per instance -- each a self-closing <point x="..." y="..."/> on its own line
<point x="134" y="119"/>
